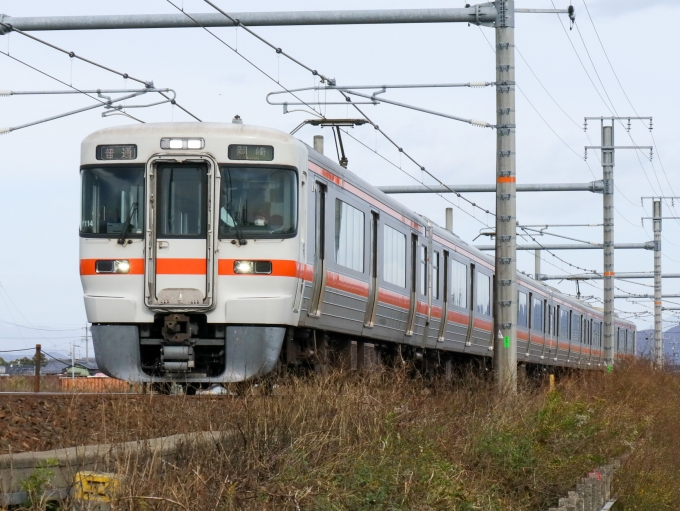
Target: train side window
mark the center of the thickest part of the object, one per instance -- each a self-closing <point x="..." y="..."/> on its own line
<point x="483" y="293"/>
<point x="458" y="283"/>
<point x="575" y="328"/>
<point x="394" y="257"/>
<point x="522" y="314"/>
<point x="435" y="275"/>
<point x="537" y="316"/>
<point x="564" y="324"/>
<point x="349" y="236"/>
<point x="423" y="270"/>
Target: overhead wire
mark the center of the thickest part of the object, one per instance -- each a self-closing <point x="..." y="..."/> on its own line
<point x="413" y="177"/>
<point x="235" y="50"/>
<point x="64" y="83"/>
<point x="73" y="55"/>
<point x="325" y="79"/>
<point x="569" y="147"/>
<point x="611" y="109"/>
<point x="623" y="90"/>
<point x="571" y="120"/>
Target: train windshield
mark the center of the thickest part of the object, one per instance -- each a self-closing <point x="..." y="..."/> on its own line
<point x="258" y="202"/>
<point x="112" y="200"/>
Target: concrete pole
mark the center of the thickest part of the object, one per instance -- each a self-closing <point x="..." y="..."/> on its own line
<point x="537" y="263"/>
<point x="608" y="237"/>
<point x="505" y="288"/>
<point x="318" y="143"/>
<point x="658" y="324"/>
<point x="449" y="219"/>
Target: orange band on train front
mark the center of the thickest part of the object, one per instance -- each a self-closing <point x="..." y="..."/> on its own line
<point x="180" y="266"/>
<point x="87" y="266"/>
<point x="609" y="274"/>
<point x="510" y="179"/>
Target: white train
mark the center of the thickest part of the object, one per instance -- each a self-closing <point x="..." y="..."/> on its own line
<point x="212" y="252"/>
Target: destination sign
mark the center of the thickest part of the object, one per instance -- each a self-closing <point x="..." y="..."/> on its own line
<point x="117" y="152"/>
<point x="251" y="152"/>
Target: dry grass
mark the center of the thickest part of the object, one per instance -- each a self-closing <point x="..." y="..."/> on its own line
<point x="389" y="441"/>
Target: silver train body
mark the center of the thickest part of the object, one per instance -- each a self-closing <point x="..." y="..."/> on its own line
<point x="212" y="252"/>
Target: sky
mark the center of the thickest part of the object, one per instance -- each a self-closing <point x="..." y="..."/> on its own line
<point x="563" y="75"/>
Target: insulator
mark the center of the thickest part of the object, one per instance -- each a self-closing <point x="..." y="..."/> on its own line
<point x="5" y="92"/>
<point x="479" y="124"/>
<point x="5" y="131"/>
<point x="478" y="84"/>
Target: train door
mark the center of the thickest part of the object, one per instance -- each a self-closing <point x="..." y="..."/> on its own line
<point x="319" y="285"/>
<point x="445" y="298"/>
<point x="410" y="325"/>
<point x="471" y="305"/>
<point x="180" y="236"/>
<point x="372" y="305"/>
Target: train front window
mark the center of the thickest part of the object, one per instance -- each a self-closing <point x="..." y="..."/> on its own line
<point x="112" y="200"/>
<point x="258" y="202"/>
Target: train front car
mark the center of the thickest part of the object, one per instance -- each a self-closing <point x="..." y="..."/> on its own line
<point x="190" y="239"/>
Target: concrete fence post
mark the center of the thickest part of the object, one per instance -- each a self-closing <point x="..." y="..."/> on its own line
<point x="568" y="504"/>
<point x="588" y="494"/>
<point x="578" y="499"/>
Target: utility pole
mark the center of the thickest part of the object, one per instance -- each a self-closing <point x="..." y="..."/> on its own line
<point x="607" y="159"/>
<point x="87" y="342"/>
<point x="658" y="320"/>
<point x="505" y="288"/>
<point x="608" y="239"/>
<point x="658" y="277"/>
<point x="36" y="380"/>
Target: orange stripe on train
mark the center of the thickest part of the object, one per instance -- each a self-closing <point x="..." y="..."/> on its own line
<point x="87" y="266"/>
<point x="180" y="266"/>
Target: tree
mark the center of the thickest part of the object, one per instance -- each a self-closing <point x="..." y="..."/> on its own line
<point x="3" y="362"/>
<point x="25" y="361"/>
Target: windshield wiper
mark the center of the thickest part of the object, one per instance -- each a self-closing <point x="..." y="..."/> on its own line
<point x="126" y="226"/>
<point x="240" y="240"/>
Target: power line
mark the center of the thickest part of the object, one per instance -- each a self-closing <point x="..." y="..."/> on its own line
<point x="42" y="329"/>
<point x="323" y="79"/>
<point x="278" y="50"/>
<point x="628" y="99"/>
<point x="611" y="109"/>
<point x="415" y="178"/>
<point x="64" y="83"/>
<point x="421" y="167"/>
<point x="73" y="55"/>
<point x="556" y="256"/>
<point x="235" y="50"/>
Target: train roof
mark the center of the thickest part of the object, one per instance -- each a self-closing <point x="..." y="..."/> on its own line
<point x="388" y="200"/>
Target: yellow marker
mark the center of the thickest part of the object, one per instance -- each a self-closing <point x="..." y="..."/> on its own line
<point x="552" y="382"/>
<point x="96" y="486"/>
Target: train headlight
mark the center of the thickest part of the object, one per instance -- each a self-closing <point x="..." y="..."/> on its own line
<point x="244" y="267"/>
<point x="252" y="267"/>
<point x="112" y="266"/>
<point x="182" y="143"/>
